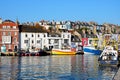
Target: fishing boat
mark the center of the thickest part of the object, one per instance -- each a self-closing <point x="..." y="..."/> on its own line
<point x="109" y="56"/>
<point x="90" y="46"/>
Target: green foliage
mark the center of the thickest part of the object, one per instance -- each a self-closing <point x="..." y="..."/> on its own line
<point x="84" y="28"/>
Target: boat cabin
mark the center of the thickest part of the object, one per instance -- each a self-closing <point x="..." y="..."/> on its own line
<point x="109" y="55"/>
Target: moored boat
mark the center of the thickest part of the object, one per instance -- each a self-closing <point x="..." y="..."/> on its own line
<point x="61" y="52"/>
<point x="91" y="50"/>
<point x="64" y="50"/>
<point x="90" y="46"/>
<point x="109" y="56"/>
<point x="63" y="45"/>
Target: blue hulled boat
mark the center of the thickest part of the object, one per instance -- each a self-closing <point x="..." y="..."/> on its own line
<point x="91" y="50"/>
<point x="90" y="46"/>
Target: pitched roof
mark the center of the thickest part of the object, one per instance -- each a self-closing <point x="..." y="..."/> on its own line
<point x="27" y="28"/>
<point x="8" y="23"/>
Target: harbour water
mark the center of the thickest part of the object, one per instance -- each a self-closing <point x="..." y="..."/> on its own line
<point x="54" y="67"/>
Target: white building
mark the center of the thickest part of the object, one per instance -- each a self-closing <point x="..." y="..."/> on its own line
<point x="58" y="40"/>
<point x="35" y="39"/>
<point x="32" y="40"/>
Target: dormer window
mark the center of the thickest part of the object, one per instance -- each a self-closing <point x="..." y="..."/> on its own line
<point x="4" y="27"/>
<point x="14" y="27"/>
<point x="8" y="27"/>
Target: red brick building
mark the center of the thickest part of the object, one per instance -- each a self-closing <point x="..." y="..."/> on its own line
<point x="9" y="35"/>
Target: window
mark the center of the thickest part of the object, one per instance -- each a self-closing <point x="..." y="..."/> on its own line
<point x="15" y="40"/>
<point x="38" y="35"/>
<point x="14" y="27"/>
<point x="32" y="35"/>
<point x="63" y="36"/>
<point x="32" y="41"/>
<point x="32" y="47"/>
<point x="25" y="41"/>
<point x="3" y="33"/>
<point x="44" y="35"/>
<point x="66" y="40"/>
<point x="90" y="41"/>
<point x="25" y="35"/>
<point x="6" y="39"/>
<point x="4" y="27"/>
<point x="9" y="46"/>
<point x="68" y="36"/>
<point x="49" y="41"/>
<point x="8" y="27"/>
<point x="56" y="40"/>
<point x="15" y="33"/>
<point x="9" y="33"/>
<point x="38" y="41"/>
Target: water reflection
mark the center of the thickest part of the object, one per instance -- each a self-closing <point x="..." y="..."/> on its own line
<point x="8" y="68"/>
<point x="55" y="67"/>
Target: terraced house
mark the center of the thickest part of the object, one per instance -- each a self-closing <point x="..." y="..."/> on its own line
<point x="35" y="38"/>
<point x="31" y="37"/>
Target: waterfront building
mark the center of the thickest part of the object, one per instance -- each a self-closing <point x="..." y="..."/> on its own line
<point x="56" y="40"/>
<point x="9" y="35"/>
<point x="33" y="38"/>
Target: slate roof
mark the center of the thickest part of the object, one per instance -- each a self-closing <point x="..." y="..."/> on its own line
<point x="27" y="28"/>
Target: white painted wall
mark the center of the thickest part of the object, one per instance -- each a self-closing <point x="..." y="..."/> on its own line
<point x="35" y="38"/>
<point x="44" y="40"/>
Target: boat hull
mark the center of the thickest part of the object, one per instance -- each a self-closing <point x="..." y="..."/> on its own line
<point x="111" y="62"/>
<point x="63" y="52"/>
<point x="91" y="51"/>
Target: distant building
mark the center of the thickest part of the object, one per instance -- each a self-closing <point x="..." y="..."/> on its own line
<point x="9" y="35"/>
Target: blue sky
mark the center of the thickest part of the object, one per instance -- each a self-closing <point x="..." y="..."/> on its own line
<point x="100" y="11"/>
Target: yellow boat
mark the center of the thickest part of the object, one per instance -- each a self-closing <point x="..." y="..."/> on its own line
<point x="63" y="52"/>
